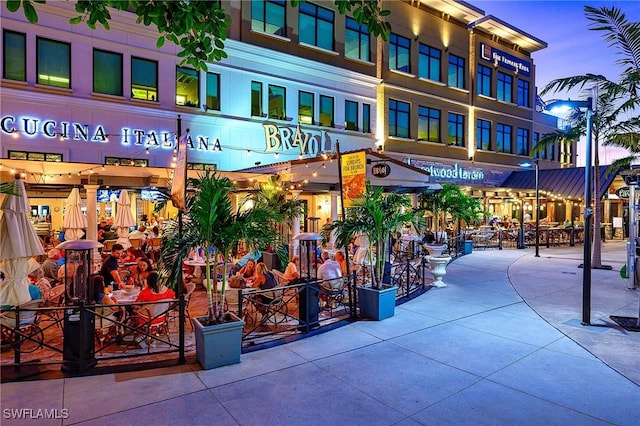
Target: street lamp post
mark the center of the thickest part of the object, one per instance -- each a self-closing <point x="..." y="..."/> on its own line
<point x="589" y="105"/>
<point x="536" y="164"/>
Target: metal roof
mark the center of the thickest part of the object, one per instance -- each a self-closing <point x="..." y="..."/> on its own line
<point x="567" y="182"/>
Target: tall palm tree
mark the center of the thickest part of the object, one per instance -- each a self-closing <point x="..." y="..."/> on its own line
<point x="211" y="222"/>
<point x="440" y="203"/>
<point x="375" y="215"/>
<point x="614" y="123"/>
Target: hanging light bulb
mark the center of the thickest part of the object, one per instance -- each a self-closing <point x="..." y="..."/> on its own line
<point x="147" y="151"/>
<point x="248" y="152"/>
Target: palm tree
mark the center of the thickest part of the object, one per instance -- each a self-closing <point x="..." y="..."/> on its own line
<point x="375" y="215"/>
<point x="439" y="203"/>
<point x="211" y="222"/>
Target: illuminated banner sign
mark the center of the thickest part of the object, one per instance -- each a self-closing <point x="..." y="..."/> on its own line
<point x="453" y="172"/>
<point x="354" y="176"/>
<point x="70" y="131"/>
<point x="504" y="59"/>
<point x="286" y="138"/>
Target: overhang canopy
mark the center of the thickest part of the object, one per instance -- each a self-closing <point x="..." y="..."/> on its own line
<point x="567" y="182"/>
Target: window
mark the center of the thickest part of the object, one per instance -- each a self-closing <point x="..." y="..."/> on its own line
<point x="107" y="72"/>
<point x="268" y="16"/>
<point x="483" y="135"/>
<point x="350" y="115"/>
<point x="35" y="156"/>
<point x="522" y="141"/>
<point x="326" y="111"/>
<point x="256" y="99"/>
<point x="428" y="124"/>
<point x="305" y="108"/>
<point x="503" y="138"/>
<point x="456" y="71"/>
<point x="213" y="91"/>
<point x="187" y="87"/>
<point x="399" y="53"/>
<point x="144" y="79"/>
<point x="456" y="129"/>
<point x="484" y="80"/>
<point x="53" y="63"/>
<point x="316" y="25"/>
<point x="366" y="118"/>
<point x="398" y="119"/>
<point x="14" y="56"/>
<point x="505" y="84"/>
<point x="523" y="93"/>
<point x="277" y="105"/>
<point x="357" y="41"/>
<point x="551" y="152"/>
<point x="429" y="62"/>
<point x="539" y="154"/>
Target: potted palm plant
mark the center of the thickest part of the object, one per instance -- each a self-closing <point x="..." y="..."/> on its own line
<point x="212" y="222"/>
<point x="375" y="215"/>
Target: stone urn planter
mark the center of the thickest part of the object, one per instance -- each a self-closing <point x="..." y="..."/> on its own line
<point x="439" y="269"/>
<point x="219" y="344"/>
<point x="436" y="249"/>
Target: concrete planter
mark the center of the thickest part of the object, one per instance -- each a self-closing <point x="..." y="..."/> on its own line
<point x="219" y="344"/>
<point x="439" y="269"/>
<point x="377" y="304"/>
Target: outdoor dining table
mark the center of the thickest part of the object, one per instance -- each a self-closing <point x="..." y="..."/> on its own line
<point x="126" y="296"/>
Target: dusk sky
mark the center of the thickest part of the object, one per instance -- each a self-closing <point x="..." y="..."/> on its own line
<point x="572" y="49"/>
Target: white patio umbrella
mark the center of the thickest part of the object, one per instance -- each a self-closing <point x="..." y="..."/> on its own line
<point x="124" y="219"/>
<point x="74" y="222"/>
<point x="18" y="243"/>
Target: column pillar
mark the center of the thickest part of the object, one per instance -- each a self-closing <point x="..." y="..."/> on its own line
<point x="92" y="220"/>
<point x="334" y="215"/>
<point x="295" y="227"/>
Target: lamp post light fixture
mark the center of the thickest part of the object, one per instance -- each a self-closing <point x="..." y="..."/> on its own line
<point x="589" y="106"/>
<point x="537" y="166"/>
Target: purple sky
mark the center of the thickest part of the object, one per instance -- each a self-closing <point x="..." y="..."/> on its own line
<point x="572" y="49"/>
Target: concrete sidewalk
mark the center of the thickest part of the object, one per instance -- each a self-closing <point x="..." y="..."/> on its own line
<point x="471" y="353"/>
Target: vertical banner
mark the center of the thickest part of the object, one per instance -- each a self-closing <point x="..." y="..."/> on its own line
<point x="354" y="176"/>
<point x="179" y="182"/>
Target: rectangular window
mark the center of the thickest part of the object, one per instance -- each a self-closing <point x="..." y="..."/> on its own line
<point x="35" y="156"/>
<point x="484" y="80"/>
<point x="398" y="118"/>
<point x="277" y="105"/>
<point x="539" y="154"/>
<point x="505" y="87"/>
<point x="14" y="56"/>
<point x="523" y="93"/>
<point x="399" y="53"/>
<point x="326" y="111"/>
<point x="429" y="62"/>
<point x="305" y="107"/>
<point x="456" y="71"/>
<point x="107" y="72"/>
<point x="144" y="79"/>
<point x="456" y="129"/>
<point x="428" y="124"/>
<point x="213" y="91"/>
<point x="256" y="99"/>
<point x="187" y="87"/>
<point x="551" y="152"/>
<point x="53" y="63"/>
<point x="357" y="41"/>
<point x="503" y="138"/>
<point x="522" y="141"/>
<point x="483" y="135"/>
<point x="366" y="118"/>
<point x="316" y="25"/>
<point x="268" y="16"/>
<point x="350" y="115"/>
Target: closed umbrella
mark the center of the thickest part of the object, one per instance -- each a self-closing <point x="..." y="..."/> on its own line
<point x="124" y="219"/>
<point x="74" y="222"/>
<point x="18" y="243"/>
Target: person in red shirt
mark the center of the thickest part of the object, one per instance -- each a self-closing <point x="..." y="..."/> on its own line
<point x="153" y="292"/>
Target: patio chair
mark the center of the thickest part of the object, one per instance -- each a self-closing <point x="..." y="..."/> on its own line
<point x="56" y="299"/>
<point x="153" y="322"/>
<point x="25" y="336"/>
<point x="174" y="314"/>
<point x="106" y="326"/>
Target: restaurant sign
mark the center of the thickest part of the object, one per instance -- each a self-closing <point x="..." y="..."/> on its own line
<point x="71" y="131"/>
<point x="285" y="138"/>
<point x="381" y="170"/>
<point x="498" y="57"/>
<point x="623" y="192"/>
<point x="456" y="171"/>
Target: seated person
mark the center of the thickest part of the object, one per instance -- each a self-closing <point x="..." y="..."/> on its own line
<point x="37" y="278"/>
<point x="132" y="255"/>
<point x="50" y="266"/>
<point x="330" y="269"/>
<point x="140" y="272"/>
<point x="103" y="295"/>
<point x="291" y="273"/>
<point x="342" y="261"/>
<point x="264" y="280"/>
<point x="242" y="262"/>
<point x="248" y="272"/>
<point x="153" y="292"/>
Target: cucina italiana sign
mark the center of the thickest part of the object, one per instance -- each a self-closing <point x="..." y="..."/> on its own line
<point x="71" y="131"/>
